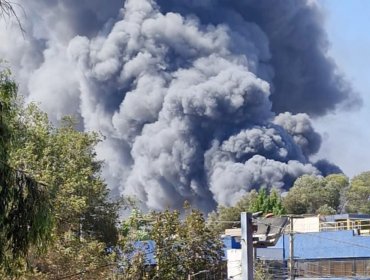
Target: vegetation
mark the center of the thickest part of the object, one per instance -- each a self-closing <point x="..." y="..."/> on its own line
<point x="64" y="159"/>
<point x="25" y="218"/>
<point x="268" y="203"/>
<point x="183" y="246"/>
<point x="264" y="201"/>
<point x="7" y="11"/>
<point x="358" y="195"/>
<point x="68" y="215"/>
<point x="316" y="195"/>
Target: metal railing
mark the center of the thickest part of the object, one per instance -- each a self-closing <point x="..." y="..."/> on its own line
<point x="363" y="226"/>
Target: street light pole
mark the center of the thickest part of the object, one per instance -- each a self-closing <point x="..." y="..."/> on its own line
<point x="291" y="250"/>
<point x="247" y="245"/>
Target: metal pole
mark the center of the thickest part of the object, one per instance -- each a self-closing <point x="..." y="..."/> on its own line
<point x="247" y="246"/>
<point x="291" y="250"/>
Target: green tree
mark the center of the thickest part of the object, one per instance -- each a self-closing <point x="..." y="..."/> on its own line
<point x="183" y="246"/>
<point x="186" y="247"/>
<point x="201" y="248"/>
<point x="25" y="217"/>
<point x="252" y="201"/>
<point x="316" y="195"/>
<point x="71" y="258"/>
<point x="267" y="203"/>
<point x="358" y="195"/>
<point x="136" y="228"/>
<point x="64" y="159"/>
<point x="166" y="234"/>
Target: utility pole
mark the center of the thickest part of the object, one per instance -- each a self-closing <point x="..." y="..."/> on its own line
<point x="247" y="246"/>
<point x="291" y="250"/>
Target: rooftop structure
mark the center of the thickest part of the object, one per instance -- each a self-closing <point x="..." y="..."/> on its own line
<point x="330" y="246"/>
<point x="317" y="223"/>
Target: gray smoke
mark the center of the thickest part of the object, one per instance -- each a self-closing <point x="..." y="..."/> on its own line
<point x="197" y="99"/>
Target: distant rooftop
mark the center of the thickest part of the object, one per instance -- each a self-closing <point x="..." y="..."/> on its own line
<point x="317" y="223"/>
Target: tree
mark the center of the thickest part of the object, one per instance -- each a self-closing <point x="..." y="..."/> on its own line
<point x="261" y="270"/>
<point x="202" y="247"/>
<point x="7" y="11"/>
<point x="182" y="246"/>
<point x="25" y="217"/>
<point x="316" y="195"/>
<point x="267" y="203"/>
<point x="71" y="258"/>
<point x="64" y="159"/>
<point x="253" y="201"/>
<point x="136" y="228"/>
<point x="166" y="234"/>
<point x="358" y="195"/>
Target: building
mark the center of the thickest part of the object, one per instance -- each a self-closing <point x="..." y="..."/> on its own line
<point x="324" y="246"/>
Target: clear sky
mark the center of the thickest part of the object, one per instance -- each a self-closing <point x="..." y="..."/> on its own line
<point x="346" y="135"/>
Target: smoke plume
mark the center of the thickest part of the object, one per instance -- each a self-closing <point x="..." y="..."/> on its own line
<point x="199" y="100"/>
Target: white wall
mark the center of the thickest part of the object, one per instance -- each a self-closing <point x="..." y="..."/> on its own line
<point x="234" y="264"/>
<point x="307" y="224"/>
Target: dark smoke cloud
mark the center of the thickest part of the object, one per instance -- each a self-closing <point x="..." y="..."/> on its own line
<point x="305" y="79"/>
<point x="186" y="92"/>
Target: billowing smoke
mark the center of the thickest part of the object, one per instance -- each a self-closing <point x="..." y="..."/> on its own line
<point x="199" y="100"/>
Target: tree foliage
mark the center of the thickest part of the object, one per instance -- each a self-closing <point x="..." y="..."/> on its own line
<point x="252" y="201"/>
<point x="25" y="217"/>
<point x="64" y="159"/>
<point x="71" y="206"/>
<point x="358" y="195"/>
<point x="316" y="195"/>
<point x="182" y="246"/>
<point x="7" y="11"/>
<point x="267" y="203"/>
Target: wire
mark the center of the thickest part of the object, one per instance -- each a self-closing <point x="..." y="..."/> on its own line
<point x="226" y="222"/>
<point x="84" y="271"/>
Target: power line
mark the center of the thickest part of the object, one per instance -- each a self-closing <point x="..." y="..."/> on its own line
<point x="84" y="271"/>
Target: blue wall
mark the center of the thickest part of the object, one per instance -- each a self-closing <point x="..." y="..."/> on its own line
<point x="307" y="246"/>
<point x="231" y="242"/>
<point x="317" y="245"/>
<point x="327" y="245"/>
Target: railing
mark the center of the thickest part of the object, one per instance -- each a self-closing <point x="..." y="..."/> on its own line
<point x="363" y="226"/>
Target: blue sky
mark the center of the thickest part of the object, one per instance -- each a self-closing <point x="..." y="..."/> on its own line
<point x="346" y="135"/>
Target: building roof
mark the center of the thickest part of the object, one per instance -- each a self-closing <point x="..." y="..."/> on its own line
<point x="333" y="218"/>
